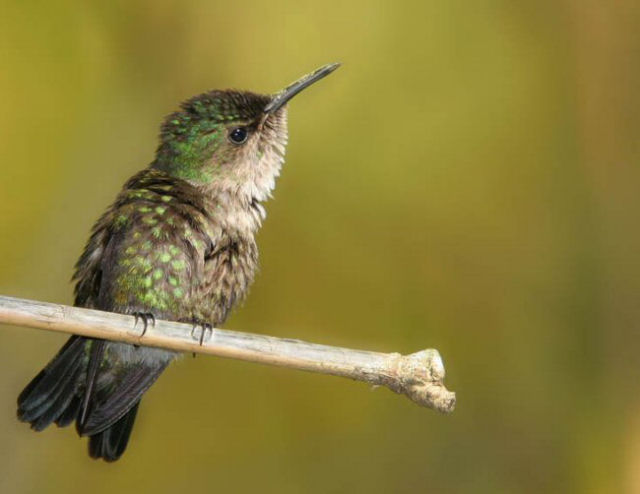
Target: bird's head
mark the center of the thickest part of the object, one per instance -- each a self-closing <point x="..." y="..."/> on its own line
<point x="230" y="140"/>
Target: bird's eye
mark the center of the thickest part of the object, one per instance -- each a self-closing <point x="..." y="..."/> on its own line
<point x="238" y="135"/>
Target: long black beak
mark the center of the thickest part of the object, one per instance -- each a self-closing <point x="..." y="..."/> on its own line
<point x="281" y="98"/>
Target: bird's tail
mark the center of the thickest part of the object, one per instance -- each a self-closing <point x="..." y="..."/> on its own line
<point x="64" y="391"/>
<point x="111" y="442"/>
<point x="52" y="395"/>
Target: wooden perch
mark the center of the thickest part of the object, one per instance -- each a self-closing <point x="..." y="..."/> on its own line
<point x="419" y="376"/>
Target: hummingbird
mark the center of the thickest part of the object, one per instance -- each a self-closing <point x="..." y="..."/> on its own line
<point x="178" y="243"/>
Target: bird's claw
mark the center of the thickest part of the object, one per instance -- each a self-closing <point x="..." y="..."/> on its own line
<point x="146" y="318"/>
<point x="204" y="328"/>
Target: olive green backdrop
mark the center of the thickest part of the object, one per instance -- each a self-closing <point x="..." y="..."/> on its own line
<point x="469" y="180"/>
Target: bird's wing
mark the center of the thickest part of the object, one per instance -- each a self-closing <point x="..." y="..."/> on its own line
<point x="109" y="405"/>
<point x="144" y="255"/>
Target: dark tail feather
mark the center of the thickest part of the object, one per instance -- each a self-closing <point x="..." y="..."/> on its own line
<point x="50" y="394"/>
<point x="67" y="390"/>
<point x="71" y="413"/>
<point x="111" y="443"/>
<point x="62" y="401"/>
<point x="37" y="382"/>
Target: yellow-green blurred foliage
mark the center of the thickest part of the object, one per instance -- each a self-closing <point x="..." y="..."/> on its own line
<point x="469" y="180"/>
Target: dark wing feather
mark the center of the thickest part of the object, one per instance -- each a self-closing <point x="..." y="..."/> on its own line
<point x="88" y="273"/>
<point x="95" y="359"/>
<point x="134" y="381"/>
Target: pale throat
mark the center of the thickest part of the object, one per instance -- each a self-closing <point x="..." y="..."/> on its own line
<point x="235" y="198"/>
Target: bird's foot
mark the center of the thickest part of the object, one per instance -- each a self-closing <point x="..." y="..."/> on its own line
<point x="146" y="318"/>
<point x="200" y="330"/>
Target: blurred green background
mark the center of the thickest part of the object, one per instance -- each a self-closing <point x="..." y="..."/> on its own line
<point x="469" y="180"/>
